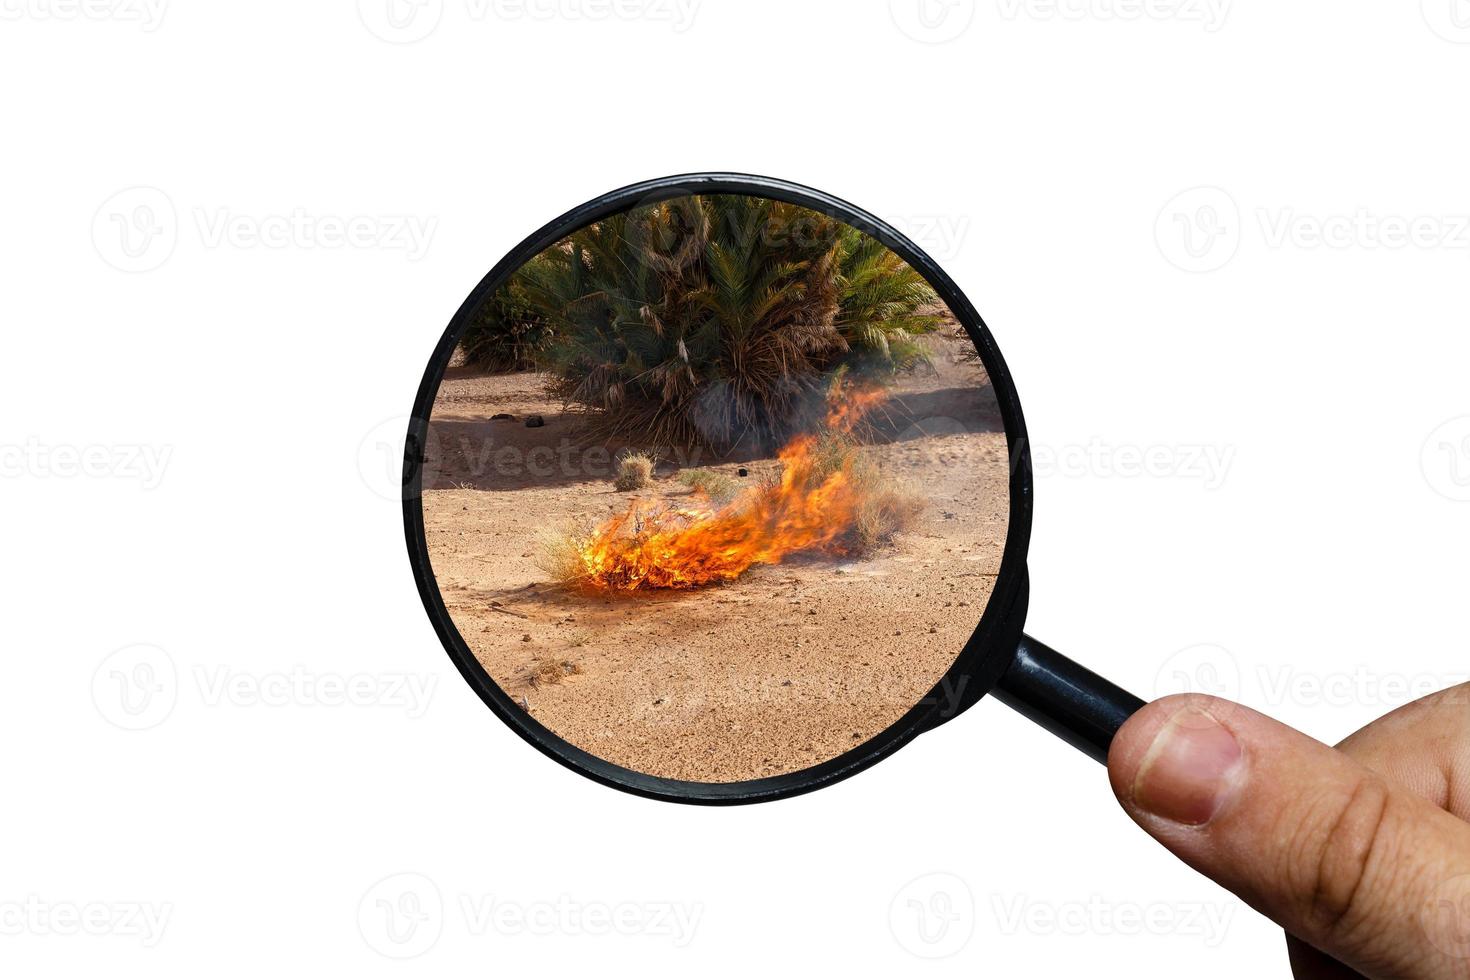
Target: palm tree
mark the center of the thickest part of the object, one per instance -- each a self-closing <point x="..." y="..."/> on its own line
<point x="717" y="318"/>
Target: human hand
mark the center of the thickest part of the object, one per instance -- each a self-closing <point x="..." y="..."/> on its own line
<point x="1362" y="851"/>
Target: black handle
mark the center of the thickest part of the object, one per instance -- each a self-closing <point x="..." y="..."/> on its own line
<point x="1065" y="698"/>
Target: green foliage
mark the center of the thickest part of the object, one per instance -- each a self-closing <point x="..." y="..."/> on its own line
<point x="508" y="331"/>
<point x="715" y="319"/>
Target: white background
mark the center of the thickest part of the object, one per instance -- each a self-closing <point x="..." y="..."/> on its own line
<point x="1178" y="219"/>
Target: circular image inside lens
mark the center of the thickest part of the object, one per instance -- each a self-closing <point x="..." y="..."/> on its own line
<point x="715" y="488"/>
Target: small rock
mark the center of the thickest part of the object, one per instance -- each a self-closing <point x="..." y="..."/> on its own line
<point x="742" y="472"/>
<point x="526" y="638"/>
<point x="502" y="417"/>
<point x="534" y="421"/>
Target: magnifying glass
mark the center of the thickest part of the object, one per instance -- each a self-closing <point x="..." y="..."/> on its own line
<point x="717" y="490"/>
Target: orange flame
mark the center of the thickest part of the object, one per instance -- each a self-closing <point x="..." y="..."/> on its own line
<point x="812" y="507"/>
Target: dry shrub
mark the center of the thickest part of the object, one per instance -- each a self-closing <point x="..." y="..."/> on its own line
<point x="887" y="505"/>
<point x="558" y="554"/>
<point x="718" y="487"/>
<point x="635" y="471"/>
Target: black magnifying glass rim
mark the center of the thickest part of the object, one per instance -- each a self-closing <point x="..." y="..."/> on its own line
<point x="977" y="666"/>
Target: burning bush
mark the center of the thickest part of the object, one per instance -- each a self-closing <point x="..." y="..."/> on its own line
<point x="830" y="497"/>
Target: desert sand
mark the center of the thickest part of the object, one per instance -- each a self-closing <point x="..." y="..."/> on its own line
<point x="787" y="667"/>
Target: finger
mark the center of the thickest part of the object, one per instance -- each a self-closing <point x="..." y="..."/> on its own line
<point x="1342" y="858"/>
<point x="1424" y="746"/>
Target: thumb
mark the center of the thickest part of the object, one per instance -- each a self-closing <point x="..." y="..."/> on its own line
<point x="1363" y="870"/>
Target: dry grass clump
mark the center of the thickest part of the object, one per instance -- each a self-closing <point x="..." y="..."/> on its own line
<point x="551" y="671"/>
<point x="887" y="504"/>
<point x="717" y="486"/>
<point x="635" y="471"/>
<point x="559" y="555"/>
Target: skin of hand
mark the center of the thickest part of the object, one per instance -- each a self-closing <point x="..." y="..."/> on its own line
<point x="1360" y="852"/>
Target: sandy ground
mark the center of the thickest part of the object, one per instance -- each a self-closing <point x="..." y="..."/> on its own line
<point x="785" y="668"/>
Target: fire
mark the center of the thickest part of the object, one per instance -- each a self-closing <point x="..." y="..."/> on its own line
<point x="816" y="505"/>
